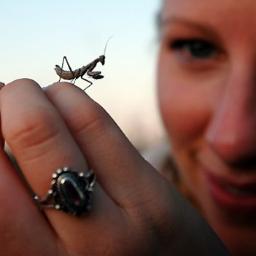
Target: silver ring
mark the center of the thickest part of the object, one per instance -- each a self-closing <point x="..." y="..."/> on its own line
<point x="70" y="191"/>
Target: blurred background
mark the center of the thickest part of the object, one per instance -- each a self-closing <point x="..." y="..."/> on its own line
<point x="37" y="34"/>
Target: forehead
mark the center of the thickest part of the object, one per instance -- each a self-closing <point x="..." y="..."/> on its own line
<point x="214" y="12"/>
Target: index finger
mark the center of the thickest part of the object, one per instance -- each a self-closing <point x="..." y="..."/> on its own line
<point x="120" y="169"/>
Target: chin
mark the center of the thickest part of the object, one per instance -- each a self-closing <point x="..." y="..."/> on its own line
<point x="237" y="232"/>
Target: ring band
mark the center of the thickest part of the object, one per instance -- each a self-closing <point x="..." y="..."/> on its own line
<point x="70" y="191"/>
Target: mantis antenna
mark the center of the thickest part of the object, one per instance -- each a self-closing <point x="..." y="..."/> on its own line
<point x="107" y="45"/>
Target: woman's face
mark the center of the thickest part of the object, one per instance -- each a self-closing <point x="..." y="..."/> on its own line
<point x="207" y="98"/>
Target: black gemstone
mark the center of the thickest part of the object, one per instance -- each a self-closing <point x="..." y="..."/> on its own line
<point x="72" y="192"/>
<point x="72" y="195"/>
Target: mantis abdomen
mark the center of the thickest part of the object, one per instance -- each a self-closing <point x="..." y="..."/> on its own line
<point x="68" y="75"/>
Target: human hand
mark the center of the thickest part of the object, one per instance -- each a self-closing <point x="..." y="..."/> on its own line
<point x="135" y="211"/>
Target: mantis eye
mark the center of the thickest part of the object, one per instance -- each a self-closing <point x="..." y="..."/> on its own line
<point x="103" y="60"/>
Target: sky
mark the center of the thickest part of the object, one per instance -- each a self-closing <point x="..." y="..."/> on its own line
<point x="37" y="34"/>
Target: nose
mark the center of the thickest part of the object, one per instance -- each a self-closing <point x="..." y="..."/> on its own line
<point x="231" y="133"/>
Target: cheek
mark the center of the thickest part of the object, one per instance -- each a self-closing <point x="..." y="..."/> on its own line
<point x="187" y="104"/>
<point x="185" y="110"/>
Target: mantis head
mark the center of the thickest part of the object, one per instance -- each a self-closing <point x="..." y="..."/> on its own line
<point x="102" y="59"/>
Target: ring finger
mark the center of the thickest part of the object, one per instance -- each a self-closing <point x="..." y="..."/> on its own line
<point x="42" y="143"/>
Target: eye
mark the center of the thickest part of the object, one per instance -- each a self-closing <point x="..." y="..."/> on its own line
<point x="196" y="48"/>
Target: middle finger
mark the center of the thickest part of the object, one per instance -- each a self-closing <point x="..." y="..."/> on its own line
<point x="41" y="143"/>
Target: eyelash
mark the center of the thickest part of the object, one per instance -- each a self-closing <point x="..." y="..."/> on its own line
<point x="197" y="48"/>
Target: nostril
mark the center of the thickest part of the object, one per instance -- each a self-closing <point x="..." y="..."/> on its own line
<point x="231" y="135"/>
<point x="238" y="155"/>
<point x="247" y="162"/>
<point x="232" y="124"/>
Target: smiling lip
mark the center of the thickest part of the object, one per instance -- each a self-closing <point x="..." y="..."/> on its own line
<point x="240" y="197"/>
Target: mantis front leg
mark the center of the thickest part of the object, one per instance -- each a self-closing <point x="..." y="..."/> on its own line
<point x="90" y="83"/>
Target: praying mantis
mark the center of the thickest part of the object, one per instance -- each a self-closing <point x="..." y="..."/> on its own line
<point x="88" y="69"/>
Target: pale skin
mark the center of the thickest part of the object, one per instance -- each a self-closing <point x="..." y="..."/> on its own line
<point x="135" y="211"/>
<point x="207" y="102"/>
<point x="206" y="99"/>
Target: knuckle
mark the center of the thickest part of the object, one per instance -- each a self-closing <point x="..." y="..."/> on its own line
<point x="65" y="83"/>
<point x="57" y="85"/>
<point x="8" y="89"/>
<point x="56" y="88"/>
<point x="82" y="112"/>
<point x="22" y="81"/>
<point x="94" y="118"/>
<point x="25" y="80"/>
<point x="33" y="129"/>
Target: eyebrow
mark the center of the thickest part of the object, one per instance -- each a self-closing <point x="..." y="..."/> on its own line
<point x="206" y="29"/>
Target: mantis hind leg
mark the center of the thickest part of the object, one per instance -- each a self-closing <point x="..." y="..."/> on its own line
<point x="73" y="81"/>
<point x="70" y="69"/>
